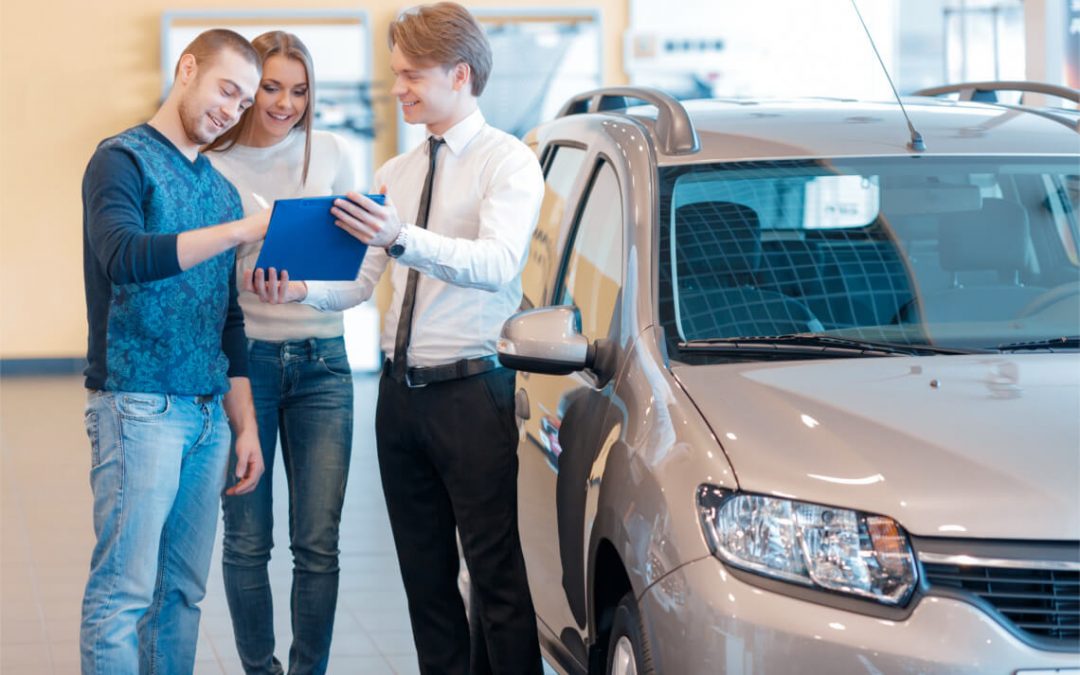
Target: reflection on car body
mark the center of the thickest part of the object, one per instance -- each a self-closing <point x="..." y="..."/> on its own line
<point x="796" y="398"/>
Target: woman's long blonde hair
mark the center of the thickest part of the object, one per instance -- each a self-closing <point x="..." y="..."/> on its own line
<point x="269" y="44"/>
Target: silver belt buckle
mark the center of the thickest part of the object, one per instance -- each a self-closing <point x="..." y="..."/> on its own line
<point x="409" y="382"/>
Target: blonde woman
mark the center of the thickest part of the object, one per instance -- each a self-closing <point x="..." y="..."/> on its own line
<point x="300" y="375"/>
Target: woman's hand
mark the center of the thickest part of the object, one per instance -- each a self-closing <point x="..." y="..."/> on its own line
<point x="272" y="288"/>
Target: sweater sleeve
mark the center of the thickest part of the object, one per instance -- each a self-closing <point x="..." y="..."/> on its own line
<point x="233" y="338"/>
<point x="112" y="200"/>
<point x="344" y="174"/>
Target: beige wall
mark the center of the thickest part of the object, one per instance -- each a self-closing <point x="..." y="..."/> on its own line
<point x="73" y="72"/>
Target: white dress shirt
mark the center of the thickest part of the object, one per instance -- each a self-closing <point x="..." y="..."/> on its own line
<point x="274" y="173"/>
<point x="484" y="206"/>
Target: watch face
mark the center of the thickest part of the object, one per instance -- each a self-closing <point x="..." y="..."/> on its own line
<point x="395" y="250"/>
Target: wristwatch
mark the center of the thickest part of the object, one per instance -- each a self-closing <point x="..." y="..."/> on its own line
<point x="397" y="247"/>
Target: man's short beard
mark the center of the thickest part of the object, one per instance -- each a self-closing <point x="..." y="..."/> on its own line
<point x="190" y="119"/>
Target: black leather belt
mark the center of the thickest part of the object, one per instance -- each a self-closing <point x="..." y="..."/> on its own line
<point x="421" y="377"/>
<point x="203" y="399"/>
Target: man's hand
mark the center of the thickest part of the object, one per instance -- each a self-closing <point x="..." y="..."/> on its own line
<point x="240" y="409"/>
<point x="253" y="228"/>
<point x="203" y="243"/>
<point x="274" y="289"/>
<point x="371" y="223"/>
<point x="249" y="463"/>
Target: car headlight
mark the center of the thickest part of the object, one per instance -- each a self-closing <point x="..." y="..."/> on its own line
<point x="841" y="550"/>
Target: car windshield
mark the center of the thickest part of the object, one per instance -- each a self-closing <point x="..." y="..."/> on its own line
<point x="954" y="252"/>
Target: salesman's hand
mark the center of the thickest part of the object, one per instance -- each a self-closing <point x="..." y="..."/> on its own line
<point x="249" y="463"/>
<point x="371" y="223"/>
<point x="273" y="288"/>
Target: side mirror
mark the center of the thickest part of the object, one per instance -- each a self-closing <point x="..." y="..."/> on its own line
<point x="545" y="340"/>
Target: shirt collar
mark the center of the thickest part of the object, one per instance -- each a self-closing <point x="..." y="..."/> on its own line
<point x="459" y="135"/>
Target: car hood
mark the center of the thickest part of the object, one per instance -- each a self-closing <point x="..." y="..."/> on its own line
<point x="984" y="446"/>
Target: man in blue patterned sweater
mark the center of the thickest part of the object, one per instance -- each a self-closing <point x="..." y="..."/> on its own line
<point x="167" y="359"/>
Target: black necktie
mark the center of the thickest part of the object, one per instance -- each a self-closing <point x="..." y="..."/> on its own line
<point x="405" y="317"/>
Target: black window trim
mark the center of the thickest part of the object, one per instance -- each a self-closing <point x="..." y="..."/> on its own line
<point x="547" y="157"/>
<point x="571" y="237"/>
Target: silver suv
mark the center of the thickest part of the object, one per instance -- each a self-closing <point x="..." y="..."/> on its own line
<point x="799" y="392"/>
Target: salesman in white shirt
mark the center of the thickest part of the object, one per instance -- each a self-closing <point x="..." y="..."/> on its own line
<point x="444" y="424"/>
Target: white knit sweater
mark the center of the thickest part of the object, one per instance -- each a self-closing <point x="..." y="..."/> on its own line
<point x="274" y="173"/>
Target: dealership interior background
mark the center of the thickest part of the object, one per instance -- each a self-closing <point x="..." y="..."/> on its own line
<point x="75" y="72"/>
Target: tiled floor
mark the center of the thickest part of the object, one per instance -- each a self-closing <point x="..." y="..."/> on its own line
<point x="47" y="537"/>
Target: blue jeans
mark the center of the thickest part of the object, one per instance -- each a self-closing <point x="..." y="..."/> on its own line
<point x="157" y="470"/>
<point x="304" y="395"/>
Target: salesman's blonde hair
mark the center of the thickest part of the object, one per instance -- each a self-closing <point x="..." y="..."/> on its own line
<point x="446" y="34"/>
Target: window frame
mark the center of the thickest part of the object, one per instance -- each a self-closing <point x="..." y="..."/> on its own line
<point x="547" y="160"/>
<point x="547" y="156"/>
<point x="601" y="160"/>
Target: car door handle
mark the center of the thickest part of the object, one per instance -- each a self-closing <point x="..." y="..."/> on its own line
<point x="521" y="404"/>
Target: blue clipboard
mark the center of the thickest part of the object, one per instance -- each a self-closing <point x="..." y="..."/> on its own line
<point x="303" y="239"/>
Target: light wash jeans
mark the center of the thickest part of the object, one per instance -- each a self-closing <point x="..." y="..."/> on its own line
<point x="157" y="470"/>
<point x="303" y="394"/>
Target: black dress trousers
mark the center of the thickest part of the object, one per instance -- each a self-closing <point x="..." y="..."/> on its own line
<point x="448" y="459"/>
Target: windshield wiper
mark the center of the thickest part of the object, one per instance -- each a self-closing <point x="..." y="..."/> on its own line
<point x="1064" y="342"/>
<point x="823" y="345"/>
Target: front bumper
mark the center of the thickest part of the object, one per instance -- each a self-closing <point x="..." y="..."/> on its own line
<point x="701" y="619"/>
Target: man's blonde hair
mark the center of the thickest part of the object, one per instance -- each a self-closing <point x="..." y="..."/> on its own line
<point x="446" y="34"/>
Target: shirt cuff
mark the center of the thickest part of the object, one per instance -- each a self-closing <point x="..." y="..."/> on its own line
<point x="418" y="245"/>
<point x="318" y="295"/>
<point x="165" y="254"/>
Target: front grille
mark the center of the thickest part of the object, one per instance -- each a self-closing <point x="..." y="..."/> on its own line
<point x="1043" y="603"/>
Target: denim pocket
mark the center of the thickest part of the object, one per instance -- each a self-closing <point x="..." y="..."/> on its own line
<point x="336" y="365"/>
<point x="142" y="406"/>
<point x="91" y="420"/>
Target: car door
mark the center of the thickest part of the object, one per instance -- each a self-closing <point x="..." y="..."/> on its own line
<point x="565" y="413"/>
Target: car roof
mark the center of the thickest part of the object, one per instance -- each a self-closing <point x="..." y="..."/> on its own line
<point x="748" y="129"/>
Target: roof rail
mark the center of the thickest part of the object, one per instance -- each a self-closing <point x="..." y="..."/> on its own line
<point x="970" y="91"/>
<point x="674" y="129"/>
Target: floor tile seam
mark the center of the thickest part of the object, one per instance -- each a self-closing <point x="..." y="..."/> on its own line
<point x="24" y="537"/>
<point x="213" y="647"/>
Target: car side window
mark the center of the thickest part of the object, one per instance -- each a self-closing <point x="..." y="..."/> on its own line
<point x="592" y="276"/>
<point x="538" y="277"/>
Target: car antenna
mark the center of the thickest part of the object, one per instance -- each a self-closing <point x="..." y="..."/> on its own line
<point x="916" y="143"/>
